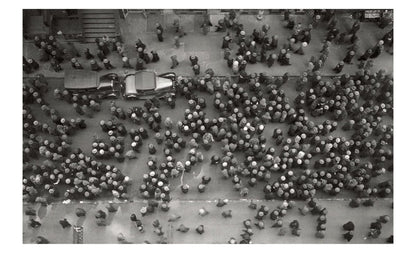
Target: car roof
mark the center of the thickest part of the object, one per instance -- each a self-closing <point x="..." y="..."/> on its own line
<point x="80" y="79"/>
<point x="145" y="80"/>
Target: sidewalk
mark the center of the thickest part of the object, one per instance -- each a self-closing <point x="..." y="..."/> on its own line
<point x="217" y="228"/>
<point x="208" y="48"/>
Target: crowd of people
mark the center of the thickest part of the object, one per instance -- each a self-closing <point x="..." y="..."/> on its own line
<point x="311" y="160"/>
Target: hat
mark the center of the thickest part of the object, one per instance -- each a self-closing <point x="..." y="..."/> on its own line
<point x="341" y="63"/>
<point x="227" y="38"/>
<point x="242" y="33"/>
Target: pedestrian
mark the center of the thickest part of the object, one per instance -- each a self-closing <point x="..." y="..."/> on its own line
<point x="33" y="64"/>
<point x="103" y="47"/>
<point x="339" y="67"/>
<point x="197" y="69"/>
<point x="193" y="59"/>
<point x="366" y="55"/>
<point x="155" y="56"/>
<point x="235" y="67"/>
<point x="349" y="57"/>
<point x="34" y="224"/>
<point x="377" y="49"/>
<point x="175" y="62"/>
<point x="126" y="63"/>
<point x="37" y="41"/>
<point x="159" y="32"/>
<point x="274" y="43"/>
<point x="177" y="43"/>
<point x="55" y="65"/>
<point x="64" y="223"/>
<point x="146" y="57"/>
<point x="100" y="55"/>
<point x="107" y="64"/>
<point x="139" y="43"/>
<point x="88" y="54"/>
<point x="271" y="59"/>
<point x="226" y="42"/>
<point x="140" y="64"/>
<point x="94" y="66"/>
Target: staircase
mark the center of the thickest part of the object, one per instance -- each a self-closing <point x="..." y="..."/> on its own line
<point x="97" y="23"/>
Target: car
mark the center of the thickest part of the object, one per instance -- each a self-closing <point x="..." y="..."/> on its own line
<point x="146" y="83"/>
<point x="136" y="85"/>
<point x="86" y="82"/>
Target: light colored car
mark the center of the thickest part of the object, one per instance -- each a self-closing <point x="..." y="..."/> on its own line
<point x="146" y="83"/>
<point x="86" y="81"/>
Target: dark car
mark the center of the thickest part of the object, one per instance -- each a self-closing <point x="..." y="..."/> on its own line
<point x="86" y="81"/>
<point x="146" y="83"/>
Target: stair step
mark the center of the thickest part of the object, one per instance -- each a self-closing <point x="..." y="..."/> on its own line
<point x="99" y="26"/>
<point x="99" y="35"/>
<point x="93" y="31"/>
<point x="90" y="40"/>
<point x="98" y="21"/>
<point x="98" y="16"/>
<point x="102" y="11"/>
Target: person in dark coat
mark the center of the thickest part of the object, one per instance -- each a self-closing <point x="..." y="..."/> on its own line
<point x="126" y="63"/>
<point x="348" y="236"/>
<point x="140" y="64"/>
<point x="55" y="65"/>
<point x="159" y="32"/>
<point x="271" y="59"/>
<point x="95" y="66"/>
<point x="377" y="49"/>
<point x="88" y="54"/>
<point x="349" y="56"/>
<point x="197" y="69"/>
<point x="33" y="64"/>
<point x="34" y="224"/>
<point x="339" y="67"/>
<point x="64" y="223"/>
<point x="366" y="55"/>
<point x="155" y="56"/>
<point x="226" y="42"/>
<point x="107" y="64"/>
<point x="100" y="55"/>
<point x="355" y="27"/>
<point x="193" y="59"/>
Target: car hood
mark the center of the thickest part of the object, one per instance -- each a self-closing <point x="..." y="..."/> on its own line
<point x="163" y="83"/>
